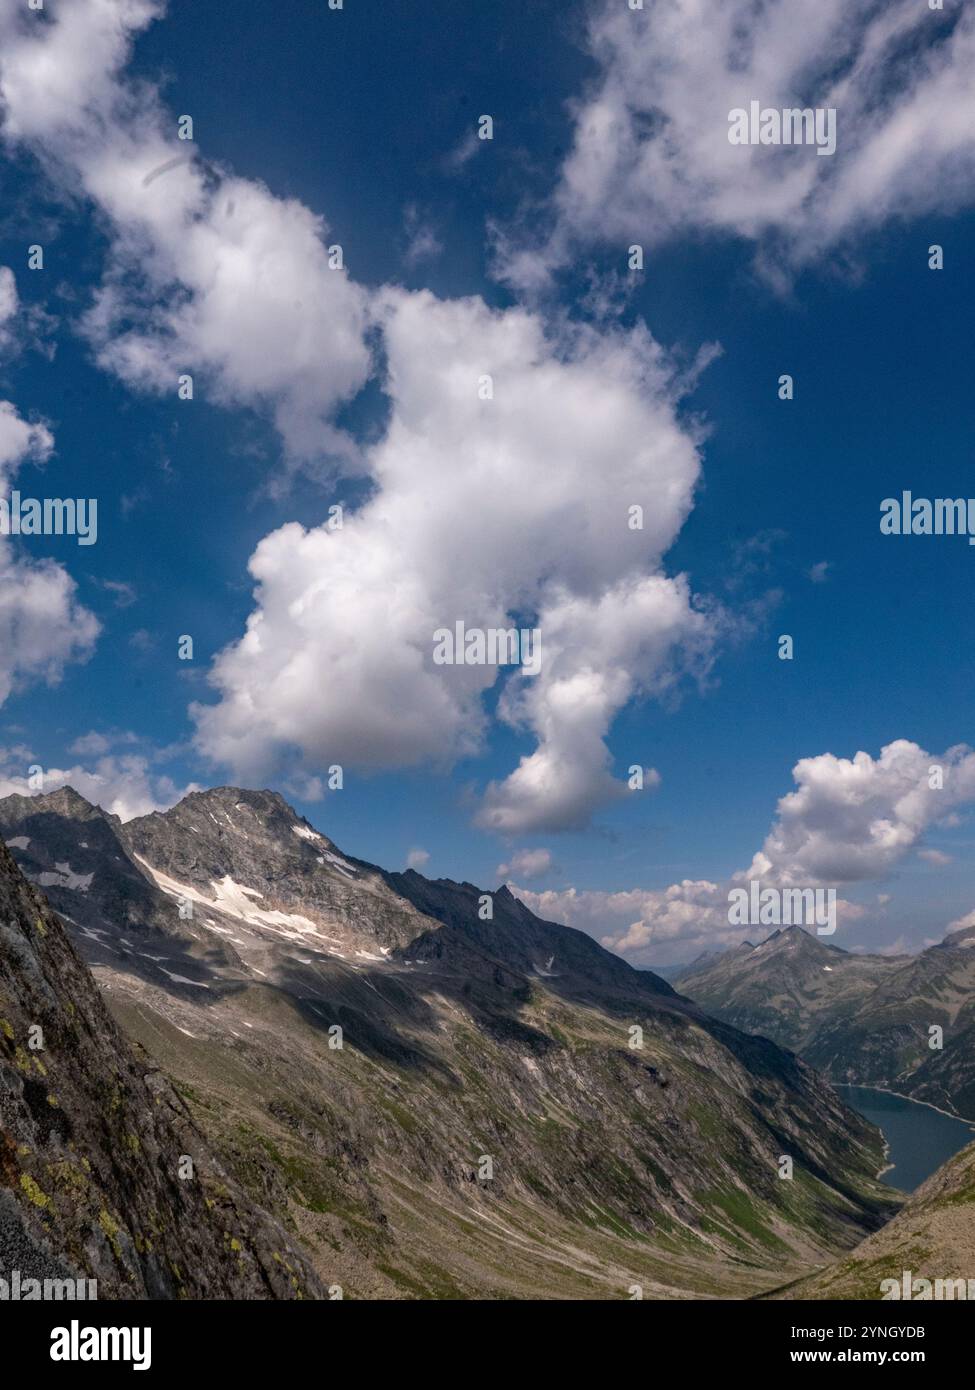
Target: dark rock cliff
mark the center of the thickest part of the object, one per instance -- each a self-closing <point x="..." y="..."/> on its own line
<point x="96" y="1148"/>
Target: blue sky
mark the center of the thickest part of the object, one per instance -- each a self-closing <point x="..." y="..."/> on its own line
<point x="367" y="117"/>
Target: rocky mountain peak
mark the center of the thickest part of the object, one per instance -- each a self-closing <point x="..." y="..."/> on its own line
<point x="233" y="808"/>
<point x="66" y="802"/>
<point x="796" y="941"/>
<point x="963" y="939"/>
<point x="221" y="829"/>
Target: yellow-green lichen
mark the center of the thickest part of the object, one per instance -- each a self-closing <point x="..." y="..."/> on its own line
<point x="39" y="1198"/>
<point x="67" y="1178"/>
<point x="111" y="1228"/>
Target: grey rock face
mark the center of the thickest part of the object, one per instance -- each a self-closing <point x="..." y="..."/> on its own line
<point x="103" y="1174"/>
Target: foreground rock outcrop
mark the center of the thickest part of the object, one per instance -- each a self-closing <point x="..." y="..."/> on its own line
<point x="103" y="1174"/>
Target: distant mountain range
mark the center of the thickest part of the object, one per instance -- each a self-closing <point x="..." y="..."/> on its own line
<point x="434" y="1092"/>
<point x="866" y="1019"/>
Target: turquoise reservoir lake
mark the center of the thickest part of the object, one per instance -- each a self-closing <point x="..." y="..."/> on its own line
<point x="920" y="1139"/>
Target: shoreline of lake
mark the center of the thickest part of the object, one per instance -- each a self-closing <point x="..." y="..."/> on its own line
<point x="886" y="1091"/>
<point x="913" y="1149"/>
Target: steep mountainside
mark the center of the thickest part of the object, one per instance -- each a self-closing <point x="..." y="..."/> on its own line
<point x="858" y="1018"/>
<point x="94" y="1144"/>
<point x="887" y="1041"/>
<point x="932" y="1238"/>
<point x="785" y="986"/>
<point x="441" y="1104"/>
<point x="569" y="961"/>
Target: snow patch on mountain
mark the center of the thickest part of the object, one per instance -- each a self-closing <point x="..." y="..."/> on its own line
<point x="65" y="877"/>
<point x="306" y="832"/>
<point x="236" y="900"/>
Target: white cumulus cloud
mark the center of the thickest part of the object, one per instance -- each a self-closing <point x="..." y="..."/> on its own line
<point x="849" y="820"/>
<point x="495" y="511"/>
<point x="42" y="626"/>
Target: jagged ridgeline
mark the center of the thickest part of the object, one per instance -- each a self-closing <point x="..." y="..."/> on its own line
<point x="103" y="1175"/>
<point x="434" y="1101"/>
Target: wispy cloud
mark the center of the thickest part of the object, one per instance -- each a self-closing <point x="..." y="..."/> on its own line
<point x="651" y="157"/>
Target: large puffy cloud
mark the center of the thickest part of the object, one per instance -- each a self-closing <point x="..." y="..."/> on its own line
<point x="209" y="274"/>
<point x="482" y="511"/>
<point x="651" y="156"/>
<point x="494" y="511"/>
<point x="848" y="821"/>
<point x="851" y="819"/>
<point x="42" y="626"/>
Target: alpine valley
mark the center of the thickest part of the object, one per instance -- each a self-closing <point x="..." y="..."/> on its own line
<point x="387" y="1092"/>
